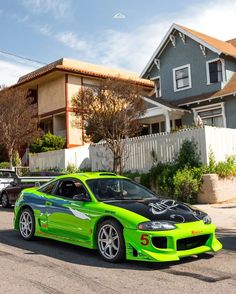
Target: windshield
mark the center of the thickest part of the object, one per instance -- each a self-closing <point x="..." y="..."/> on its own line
<point x="118" y="189"/>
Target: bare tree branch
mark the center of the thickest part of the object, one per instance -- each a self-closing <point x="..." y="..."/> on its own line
<point x="110" y="112"/>
<point x="18" y="119"/>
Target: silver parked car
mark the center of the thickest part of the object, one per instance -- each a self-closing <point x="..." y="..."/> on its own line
<point x="6" y="177"/>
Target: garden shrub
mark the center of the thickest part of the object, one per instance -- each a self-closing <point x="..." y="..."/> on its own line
<point x="71" y="169"/>
<point x="162" y="176"/>
<point x="227" y="168"/>
<point x="131" y="175"/>
<point x="182" y="178"/>
<point x="145" y="180"/>
<point x="166" y="178"/>
<point x="212" y="163"/>
<point x="188" y="155"/>
<point x="186" y="185"/>
<point x="5" y="164"/>
<point x="48" y="142"/>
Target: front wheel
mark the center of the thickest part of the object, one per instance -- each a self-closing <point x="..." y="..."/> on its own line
<point x="110" y="241"/>
<point x="27" y="224"/>
<point x="5" y="200"/>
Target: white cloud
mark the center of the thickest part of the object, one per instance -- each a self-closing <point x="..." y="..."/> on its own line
<point x="11" y="71"/>
<point x="44" y="30"/>
<point x="132" y="50"/>
<point x="58" y="8"/>
<point x="72" y="41"/>
<point x="23" y="19"/>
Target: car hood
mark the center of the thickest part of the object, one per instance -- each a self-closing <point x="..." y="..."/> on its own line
<point x="161" y="209"/>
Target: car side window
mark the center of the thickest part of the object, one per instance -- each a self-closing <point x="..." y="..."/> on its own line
<point x="71" y="188"/>
<point x="6" y="175"/>
<point x="49" y="188"/>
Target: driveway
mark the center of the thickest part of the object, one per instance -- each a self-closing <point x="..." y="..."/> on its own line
<point x="46" y="266"/>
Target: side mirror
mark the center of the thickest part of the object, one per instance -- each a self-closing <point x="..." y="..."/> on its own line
<point x="13" y="183"/>
<point x="81" y="197"/>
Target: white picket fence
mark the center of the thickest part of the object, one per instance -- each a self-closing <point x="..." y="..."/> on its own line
<point x="137" y="155"/>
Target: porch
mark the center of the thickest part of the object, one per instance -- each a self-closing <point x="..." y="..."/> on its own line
<point x="161" y="117"/>
<point x="55" y="124"/>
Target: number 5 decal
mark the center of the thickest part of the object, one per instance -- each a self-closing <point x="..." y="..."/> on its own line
<point x="145" y="240"/>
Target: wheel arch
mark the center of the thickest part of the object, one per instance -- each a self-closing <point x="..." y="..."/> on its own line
<point x="100" y="220"/>
<point x="16" y="225"/>
<point x="3" y="192"/>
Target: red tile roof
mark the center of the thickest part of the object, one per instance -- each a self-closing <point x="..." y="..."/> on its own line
<point x="79" y="67"/>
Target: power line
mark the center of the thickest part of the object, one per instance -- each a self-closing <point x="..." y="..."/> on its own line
<point x="22" y="57"/>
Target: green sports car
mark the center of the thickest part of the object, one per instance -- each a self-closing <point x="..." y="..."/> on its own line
<point x="116" y="216"/>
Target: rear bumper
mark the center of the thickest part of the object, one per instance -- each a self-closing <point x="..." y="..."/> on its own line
<point x="140" y="244"/>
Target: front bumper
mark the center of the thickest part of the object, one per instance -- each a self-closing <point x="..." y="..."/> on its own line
<point x="186" y="240"/>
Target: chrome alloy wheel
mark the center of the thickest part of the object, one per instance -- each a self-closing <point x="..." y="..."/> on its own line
<point x="108" y="241"/>
<point x="26" y="224"/>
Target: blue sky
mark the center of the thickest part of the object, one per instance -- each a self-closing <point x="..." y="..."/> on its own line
<point x="47" y="30"/>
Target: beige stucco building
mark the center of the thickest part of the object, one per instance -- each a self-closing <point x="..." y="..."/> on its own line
<point x="54" y="85"/>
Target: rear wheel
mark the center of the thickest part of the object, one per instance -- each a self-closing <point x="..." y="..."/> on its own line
<point x="110" y="241"/>
<point x="5" y="200"/>
<point x="27" y="224"/>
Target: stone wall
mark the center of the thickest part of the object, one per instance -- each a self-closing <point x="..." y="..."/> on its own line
<point x="215" y="189"/>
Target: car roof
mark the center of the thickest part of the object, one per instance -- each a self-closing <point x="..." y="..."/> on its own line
<point x="91" y="175"/>
<point x="7" y="170"/>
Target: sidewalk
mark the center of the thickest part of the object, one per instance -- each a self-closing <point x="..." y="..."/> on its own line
<point x="223" y="215"/>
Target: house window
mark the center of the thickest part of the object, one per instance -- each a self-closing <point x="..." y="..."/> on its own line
<point x="182" y="78"/>
<point x="47" y="126"/>
<point x="212" y="115"/>
<point x="214" y="71"/>
<point x="33" y="95"/>
<point x="145" y="130"/>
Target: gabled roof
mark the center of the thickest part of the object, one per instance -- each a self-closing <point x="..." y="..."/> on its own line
<point x="222" y="46"/>
<point x="79" y="67"/>
<point x="217" y="46"/>
<point x="232" y="42"/>
<point x="164" y="104"/>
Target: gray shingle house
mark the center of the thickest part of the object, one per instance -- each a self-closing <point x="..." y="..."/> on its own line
<point x="195" y="79"/>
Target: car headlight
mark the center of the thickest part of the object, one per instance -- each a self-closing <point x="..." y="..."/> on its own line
<point x="156" y="226"/>
<point x="207" y="220"/>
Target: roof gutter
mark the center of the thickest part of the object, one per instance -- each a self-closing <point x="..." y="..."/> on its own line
<point x="207" y="99"/>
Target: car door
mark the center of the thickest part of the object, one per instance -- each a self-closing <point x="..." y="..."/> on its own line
<point x="69" y="218"/>
<point x="2" y="185"/>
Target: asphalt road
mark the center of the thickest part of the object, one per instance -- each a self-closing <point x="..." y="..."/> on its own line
<point x="46" y="266"/>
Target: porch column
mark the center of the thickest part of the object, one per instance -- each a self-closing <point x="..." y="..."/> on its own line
<point x="150" y="129"/>
<point x="167" y="121"/>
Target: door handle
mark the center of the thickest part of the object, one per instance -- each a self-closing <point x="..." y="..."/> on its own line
<point x="48" y="203"/>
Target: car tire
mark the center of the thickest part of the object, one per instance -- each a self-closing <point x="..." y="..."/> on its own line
<point x="27" y="224"/>
<point x="110" y="241"/>
<point x="5" y="200"/>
